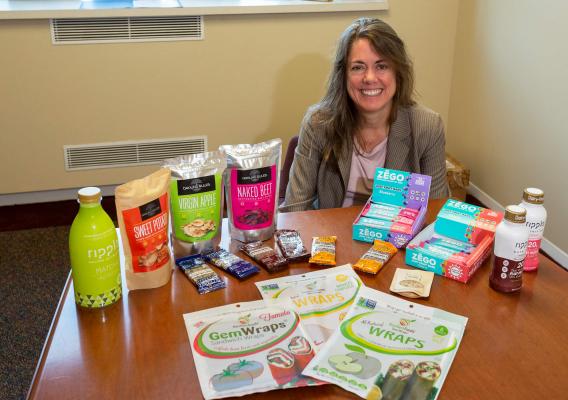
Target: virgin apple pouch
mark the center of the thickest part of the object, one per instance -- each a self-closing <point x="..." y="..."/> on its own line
<point x="251" y="182"/>
<point x="196" y="197"/>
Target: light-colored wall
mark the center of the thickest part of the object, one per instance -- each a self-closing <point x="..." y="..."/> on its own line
<point x="508" y="102"/>
<point x="251" y="79"/>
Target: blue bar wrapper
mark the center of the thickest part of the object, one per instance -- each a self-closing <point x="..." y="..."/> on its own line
<point x="231" y="263"/>
<point x="200" y="274"/>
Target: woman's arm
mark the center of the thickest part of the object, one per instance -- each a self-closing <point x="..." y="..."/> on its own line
<point x="433" y="161"/>
<point x="302" y="186"/>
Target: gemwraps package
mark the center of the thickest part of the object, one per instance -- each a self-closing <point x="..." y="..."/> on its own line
<point x="251" y="181"/>
<point x="322" y="298"/>
<point x="390" y="348"/>
<point x="142" y="208"/>
<point x="249" y="347"/>
<point x="196" y="198"/>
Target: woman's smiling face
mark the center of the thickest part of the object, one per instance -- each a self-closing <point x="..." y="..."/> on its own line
<point x="371" y="79"/>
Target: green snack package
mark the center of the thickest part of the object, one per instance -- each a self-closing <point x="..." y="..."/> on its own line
<point x="196" y="199"/>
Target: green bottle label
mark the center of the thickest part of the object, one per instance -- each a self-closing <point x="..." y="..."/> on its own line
<point x="95" y="261"/>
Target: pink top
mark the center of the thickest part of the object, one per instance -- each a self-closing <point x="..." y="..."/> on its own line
<point x="362" y="173"/>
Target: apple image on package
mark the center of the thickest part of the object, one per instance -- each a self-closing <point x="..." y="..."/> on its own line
<point x="370" y="366"/>
<point x="344" y="363"/>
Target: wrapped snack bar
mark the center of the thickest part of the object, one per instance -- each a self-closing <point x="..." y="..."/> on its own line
<point x="265" y="256"/>
<point x="323" y="250"/>
<point x="200" y="274"/>
<point x="231" y="263"/>
<point x="377" y="256"/>
<point x="290" y="244"/>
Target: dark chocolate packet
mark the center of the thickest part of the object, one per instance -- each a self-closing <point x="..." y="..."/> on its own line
<point x="265" y="256"/>
<point x="290" y="244"/>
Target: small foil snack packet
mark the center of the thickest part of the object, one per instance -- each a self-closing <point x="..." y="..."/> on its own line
<point x="322" y="298"/>
<point x="196" y="199"/>
<point x="323" y="250"/>
<point x="390" y="348"/>
<point x="231" y="263"/>
<point x="412" y="283"/>
<point x="377" y="256"/>
<point x="252" y="181"/>
<point x="265" y="256"/>
<point x="142" y="208"/>
<point x="248" y="348"/>
<point x="200" y="274"/>
<point x="290" y="244"/>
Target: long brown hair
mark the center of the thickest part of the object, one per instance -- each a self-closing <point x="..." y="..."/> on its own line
<point x="337" y="112"/>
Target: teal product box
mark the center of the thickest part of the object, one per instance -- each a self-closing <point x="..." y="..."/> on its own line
<point x="393" y="192"/>
<point x="457" y="243"/>
<point x="466" y="222"/>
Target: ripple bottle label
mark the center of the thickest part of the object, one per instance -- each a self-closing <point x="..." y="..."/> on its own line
<point x="511" y="237"/>
<point x="93" y="249"/>
<point x="536" y="218"/>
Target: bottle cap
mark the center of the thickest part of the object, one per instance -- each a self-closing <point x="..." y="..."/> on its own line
<point x="533" y="196"/>
<point x="89" y="194"/>
<point x="515" y="214"/>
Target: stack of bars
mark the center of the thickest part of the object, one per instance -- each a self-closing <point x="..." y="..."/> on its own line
<point x="457" y="243"/>
<point x="396" y="209"/>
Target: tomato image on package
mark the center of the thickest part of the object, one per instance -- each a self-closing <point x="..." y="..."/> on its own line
<point x="253" y="193"/>
<point x="147" y="231"/>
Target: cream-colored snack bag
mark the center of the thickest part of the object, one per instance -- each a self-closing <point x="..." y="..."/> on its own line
<point x="142" y="208"/>
<point x="412" y="283"/>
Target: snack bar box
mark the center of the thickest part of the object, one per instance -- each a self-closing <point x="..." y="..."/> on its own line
<point x="472" y="226"/>
<point x="394" y="190"/>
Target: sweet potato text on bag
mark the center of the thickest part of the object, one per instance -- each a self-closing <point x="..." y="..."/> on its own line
<point x="142" y="208"/>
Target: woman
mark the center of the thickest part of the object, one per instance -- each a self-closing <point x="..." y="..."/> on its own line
<point x="367" y="119"/>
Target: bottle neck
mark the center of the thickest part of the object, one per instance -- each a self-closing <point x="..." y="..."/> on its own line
<point x="89" y="206"/>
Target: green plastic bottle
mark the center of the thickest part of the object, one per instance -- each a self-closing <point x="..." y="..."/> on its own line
<point x="93" y="247"/>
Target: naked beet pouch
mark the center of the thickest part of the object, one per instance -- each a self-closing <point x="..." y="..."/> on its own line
<point x="251" y="183"/>
<point x="196" y="199"/>
<point x="142" y="208"/>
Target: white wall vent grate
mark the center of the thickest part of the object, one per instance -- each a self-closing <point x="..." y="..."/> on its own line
<point x="130" y="153"/>
<point x="126" y="29"/>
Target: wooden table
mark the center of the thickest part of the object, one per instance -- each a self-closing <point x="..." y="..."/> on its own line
<point x="514" y="347"/>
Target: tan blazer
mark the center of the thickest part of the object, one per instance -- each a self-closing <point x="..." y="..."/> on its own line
<point x="416" y="143"/>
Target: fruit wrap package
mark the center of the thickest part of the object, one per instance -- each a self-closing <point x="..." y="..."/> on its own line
<point x="196" y="199"/>
<point x="390" y="348"/>
<point x="248" y="348"/>
<point x="322" y="298"/>
<point x="142" y="208"/>
<point x="252" y="182"/>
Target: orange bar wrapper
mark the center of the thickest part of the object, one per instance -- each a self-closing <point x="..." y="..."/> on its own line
<point x="323" y="250"/>
<point x="377" y="256"/>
